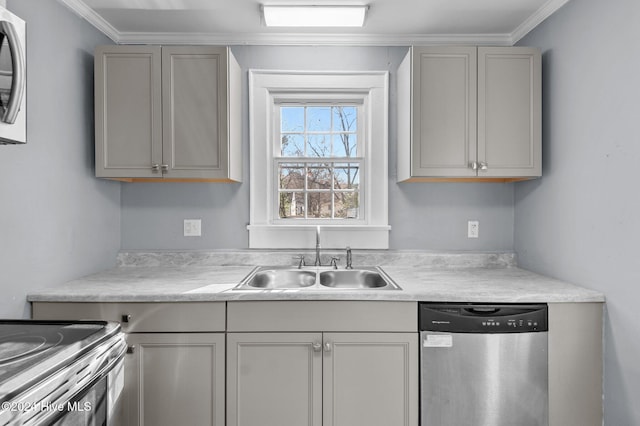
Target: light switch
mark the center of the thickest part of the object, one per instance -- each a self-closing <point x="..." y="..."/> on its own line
<point x="192" y="227"/>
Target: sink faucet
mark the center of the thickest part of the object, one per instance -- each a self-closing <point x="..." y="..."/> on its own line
<point x="317" y="261"/>
<point x="349" y="259"/>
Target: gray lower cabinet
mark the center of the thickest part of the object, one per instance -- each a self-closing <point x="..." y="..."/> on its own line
<point x="469" y="113"/>
<point x="274" y="379"/>
<point x="175" y="368"/>
<point x="322" y="363"/>
<point x="328" y="379"/>
<point x="369" y="379"/>
<point x="170" y="112"/>
<point x="164" y="368"/>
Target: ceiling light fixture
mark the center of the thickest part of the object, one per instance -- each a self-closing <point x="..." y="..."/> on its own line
<point x="314" y="16"/>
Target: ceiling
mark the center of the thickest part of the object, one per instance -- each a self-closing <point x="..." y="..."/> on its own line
<point x="388" y="22"/>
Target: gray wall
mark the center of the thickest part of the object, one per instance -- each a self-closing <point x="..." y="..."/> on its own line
<point x="57" y="222"/>
<point x="581" y="222"/>
<point x="422" y="216"/>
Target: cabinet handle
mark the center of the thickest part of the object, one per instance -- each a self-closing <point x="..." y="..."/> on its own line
<point x="165" y="168"/>
<point x="473" y="165"/>
<point x="126" y="318"/>
<point x="317" y="347"/>
<point x="327" y="346"/>
<point x="483" y="166"/>
<point x="155" y="168"/>
<point x="131" y="349"/>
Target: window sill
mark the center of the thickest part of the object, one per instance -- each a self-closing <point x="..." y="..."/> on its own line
<point x="331" y="236"/>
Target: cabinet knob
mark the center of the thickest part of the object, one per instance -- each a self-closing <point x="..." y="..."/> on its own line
<point x="165" y="168"/>
<point x="131" y="349"/>
<point x="317" y="347"/>
<point x="126" y="318"/>
<point x="327" y="346"/>
<point x="155" y="168"/>
<point x="483" y="165"/>
<point x="473" y="165"/>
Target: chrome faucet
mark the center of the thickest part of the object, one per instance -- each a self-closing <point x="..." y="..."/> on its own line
<point x="317" y="261"/>
<point x="349" y="259"/>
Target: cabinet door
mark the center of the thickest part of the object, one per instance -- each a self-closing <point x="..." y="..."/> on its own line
<point x="444" y="111"/>
<point x="128" y="111"/>
<point x="274" y="379"/>
<point x="175" y="379"/>
<point x="370" y="379"/>
<point x="509" y="111"/>
<point x="195" y="128"/>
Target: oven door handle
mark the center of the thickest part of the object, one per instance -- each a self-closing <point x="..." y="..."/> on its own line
<point x="18" y="77"/>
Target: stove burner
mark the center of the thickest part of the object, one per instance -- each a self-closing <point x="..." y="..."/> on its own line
<point x="18" y="347"/>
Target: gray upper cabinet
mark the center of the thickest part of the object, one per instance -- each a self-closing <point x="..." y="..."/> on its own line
<point x="170" y="113"/>
<point x="467" y="113"/>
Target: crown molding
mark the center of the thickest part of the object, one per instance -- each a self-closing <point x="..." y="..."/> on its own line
<point x="288" y="39"/>
<point x="548" y="9"/>
<point x="80" y="8"/>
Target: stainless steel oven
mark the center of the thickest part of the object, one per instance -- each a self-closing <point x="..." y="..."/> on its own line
<point x="60" y="373"/>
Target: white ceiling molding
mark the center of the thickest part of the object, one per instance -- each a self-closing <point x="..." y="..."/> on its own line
<point x="548" y="9"/>
<point x="314" y="39"/>
<point x="79" y="7"/>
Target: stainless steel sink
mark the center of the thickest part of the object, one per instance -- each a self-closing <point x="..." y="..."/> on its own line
<point x="317" y="278"/>
<point x="278" y="278"/>
<point x="354" y="278"/>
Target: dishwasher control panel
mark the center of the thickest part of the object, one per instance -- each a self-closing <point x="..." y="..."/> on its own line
<point x="482" y="318"/>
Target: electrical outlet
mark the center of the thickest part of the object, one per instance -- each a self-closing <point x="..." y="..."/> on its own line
<point x="473" y="229"/>
<point x="192" y="228"/>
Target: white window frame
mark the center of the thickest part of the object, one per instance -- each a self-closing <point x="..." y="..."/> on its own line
<point x="269" y="89"/>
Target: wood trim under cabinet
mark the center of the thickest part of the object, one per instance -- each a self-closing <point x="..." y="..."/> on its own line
<point x="465" y="180"/>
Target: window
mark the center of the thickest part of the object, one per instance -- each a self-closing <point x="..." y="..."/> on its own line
<point x="318" y="158"/>
<point x="318" y="164"/>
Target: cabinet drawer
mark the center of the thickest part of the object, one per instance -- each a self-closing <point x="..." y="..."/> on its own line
<point x="352" y="316"/>
<point x="140" y="317"/>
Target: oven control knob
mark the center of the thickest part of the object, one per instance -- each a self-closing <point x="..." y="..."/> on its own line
<point x="131" y="349"/>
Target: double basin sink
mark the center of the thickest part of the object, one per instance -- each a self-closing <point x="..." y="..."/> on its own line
<point x="317" y="278"/>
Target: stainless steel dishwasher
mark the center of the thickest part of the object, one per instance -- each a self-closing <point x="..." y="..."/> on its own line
<point x="483" y="365"/>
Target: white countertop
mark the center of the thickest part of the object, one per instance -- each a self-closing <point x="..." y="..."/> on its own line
<point x="431" y="281"/>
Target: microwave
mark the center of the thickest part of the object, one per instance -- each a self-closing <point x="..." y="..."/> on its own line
<point x="13" y="79"/>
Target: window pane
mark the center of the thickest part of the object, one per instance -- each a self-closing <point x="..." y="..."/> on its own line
<point x="345" y="145"/>
<point x="346" y="176"/>
<point x="345" y="119"/>
<point x="319" y="205"/>
<point x="291" y="205"/>
<point x="292" y="145"/>
<point x="347" y="205"/>
<point x="318" y="119"/>
<point x="292" y="119"/>
<point x="319" y="146"/>
<point x="312" y="186"/>
<point x="291" y="176"/>
<point x="319" y="177"/>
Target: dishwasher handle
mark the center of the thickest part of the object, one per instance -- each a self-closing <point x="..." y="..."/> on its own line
<point x="483" y="311"/>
